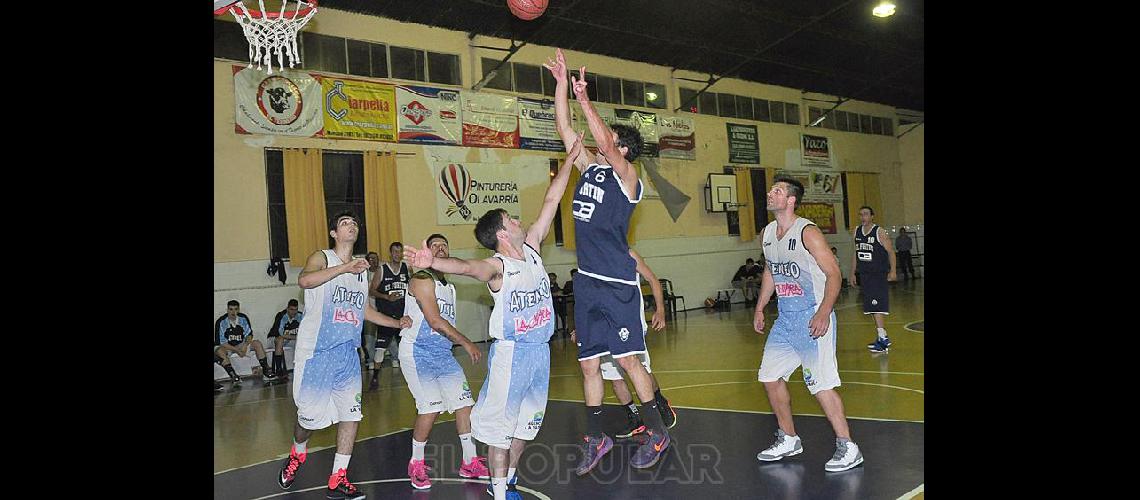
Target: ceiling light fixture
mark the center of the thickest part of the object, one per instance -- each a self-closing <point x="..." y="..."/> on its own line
<point x="884" y="9"/>
<point x="652" y="96"/>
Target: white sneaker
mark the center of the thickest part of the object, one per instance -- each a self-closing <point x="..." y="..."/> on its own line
<point x="847" y="455"/>
<point x="785" y="446"/>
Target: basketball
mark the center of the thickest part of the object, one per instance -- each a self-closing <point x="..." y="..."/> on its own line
<point x="527" y="9"/>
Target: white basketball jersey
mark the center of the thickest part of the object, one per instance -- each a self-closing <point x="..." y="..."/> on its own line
<point x="524" y="310"/>
<point x="334" y="311"/>
<point x="800" y="282"/>
<point x="420" y="333"/>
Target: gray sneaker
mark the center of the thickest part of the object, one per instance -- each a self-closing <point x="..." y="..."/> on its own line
<point x="592" y="451"/>
<point x="847" y="455"/>
<point x="785" y="446"/>
<point x="649" y="453"/>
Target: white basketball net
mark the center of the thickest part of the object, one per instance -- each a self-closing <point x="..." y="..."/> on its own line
<point x="267" y="35"/>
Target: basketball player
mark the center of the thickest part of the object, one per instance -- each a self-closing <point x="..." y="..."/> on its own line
<point x="235" y="334"/>
<point x="326" y="385"/>
<point x="388" y="288"/>
<point x="436" y="380"/>
<point x="512" y="402"/>
<point x="284" y="332"/>
<point x="805" y="276"/>
<point x="607" y="291"/>
<point x="873" y="252"/>
<point x="612" y="372"/>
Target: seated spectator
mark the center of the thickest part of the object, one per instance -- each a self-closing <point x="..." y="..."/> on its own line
<point x="235" y="335"/>
<point x="568" y="286"/>
<point x="284" y="332"/>
<point x="747" y="279"/>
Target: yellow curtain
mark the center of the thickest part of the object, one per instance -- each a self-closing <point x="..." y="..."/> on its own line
<point x="567" y="207"/>
<point x="381" y="201"/>
<point x="745" y="211"/>
<point x="305" y="218"/>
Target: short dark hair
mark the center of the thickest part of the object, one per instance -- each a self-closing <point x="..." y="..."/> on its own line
<point x="868" y="207"/>
<point x="233" y="303"/>
<point x="342" y="213"/>
<point x="292" y="303"/>
<point x="574" y="271"/>
<point x="397" y="244"/>
<point x="372" y="253"/>
<point x="749" y="261"/>
<point x="487" y="229"/>
<point x="437" y="235"/>
<point x="630" y="138"/>
<point x="796" y="187"/>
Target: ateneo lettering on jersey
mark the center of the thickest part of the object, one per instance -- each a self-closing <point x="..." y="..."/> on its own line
<point x="800" y="282"/>
<point x="421" y="335"/>
<point x="524" y="309"/>
<point x="601" y="222"/>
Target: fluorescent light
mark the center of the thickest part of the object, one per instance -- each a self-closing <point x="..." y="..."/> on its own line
<point x="818" y="121"/>
<point x="884" y="9"/>
<point x="652" y="96"/>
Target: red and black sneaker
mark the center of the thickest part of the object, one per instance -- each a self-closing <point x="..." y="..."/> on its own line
<point x="341" y="489"/>
<point x="289" y="470"/>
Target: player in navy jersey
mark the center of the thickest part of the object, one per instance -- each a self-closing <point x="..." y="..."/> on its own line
<point x="512" y="403"/>
<point x="607" y="292"/>
<point x="804" y="274"/>
<point x="234" y="334"/>
<point x="284" y="332"/>
<point x="873" y="260"/>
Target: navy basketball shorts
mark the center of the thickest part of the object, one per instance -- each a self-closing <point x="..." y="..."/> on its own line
<point x="608" y="317"/>
<point x="875" y="293"/>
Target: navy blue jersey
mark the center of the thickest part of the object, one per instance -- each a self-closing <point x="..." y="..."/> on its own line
<point x="392" y="282"/>
<point x="601" y="222"/>
<point x="870" y="254"/>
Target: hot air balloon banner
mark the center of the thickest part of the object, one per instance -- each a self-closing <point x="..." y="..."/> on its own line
<point x="467" y="190"/>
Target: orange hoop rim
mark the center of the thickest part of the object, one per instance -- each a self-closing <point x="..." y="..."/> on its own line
<point x="257" y="14"/>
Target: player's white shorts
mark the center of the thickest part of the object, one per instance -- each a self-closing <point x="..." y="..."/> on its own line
<point x="611" y="370"/>
<point x="790" y="345"/>
<point x="512" y="402"/>
<point x="326" y="386"/>
<point x="436" y="380"/>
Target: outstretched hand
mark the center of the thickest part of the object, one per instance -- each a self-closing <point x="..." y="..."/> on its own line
<point x="580" y="85"/>
<point x="419" y="257"/>
<point x="557" y="66"/>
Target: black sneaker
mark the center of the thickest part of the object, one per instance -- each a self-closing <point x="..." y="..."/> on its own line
<point x="289" y="470"/>
<point x="375" y="382"/>
<point x="668" y="414"/>
<point x="268" y="377"/>
<point x="236" y="380"/>
<point x="633" y="426"/>
<point x="341" y="489"/>
<point x="217" y="387"/>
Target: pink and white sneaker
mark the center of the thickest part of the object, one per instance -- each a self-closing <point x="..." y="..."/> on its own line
<point x="417" y="471"/>
<point x="477" y="469"/>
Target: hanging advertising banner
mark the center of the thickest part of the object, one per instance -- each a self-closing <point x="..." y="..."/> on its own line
<point x="743" y="144"/>
<point x="358" y="109"/>
<point x="645" y="124"/>
<point x="428" y="115"/>
<point x="820" y="186"/>
<point x="677" y="137"/>
<point x="285" y="103"/>
<point x="537" y="128"/>
<point x="815" y="151"/>
<point x="490" y="120"/>
<point x="465" y="191"/>
<point x="582" y="127"/>
<point x="822" y="214"/>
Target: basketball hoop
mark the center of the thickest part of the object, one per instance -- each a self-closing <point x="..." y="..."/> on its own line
<point x="269" y="32"/>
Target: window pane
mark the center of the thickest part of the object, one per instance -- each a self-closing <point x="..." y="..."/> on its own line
<point x="853" y="122"/>
<point x="275" y="187"/>
<point x="528" y="79"/>
<point x="727" y="103"/>
<point x="609" y="89"/>
<point x="323" y="53"/>
<point x="632" y="93"/>
<point x="344" y="190"/>
<point x="888" y="126"/>
<point x="776" y="108"/>
<point x="502" y="79"/>
<point x="359" y="58"/>
<point x="813" y="114"/>
<point x="591" y="87"/>
<point x="840" y="120"/>
<point x="791" y="113"/>
<point x="829" y="122"/>
<point x="876" y="125"/>
<point x="760" y="107"/>
<point x="708" y="103"/>
<point x="655" y="96"/>
<point x="865" y="124"/>
<point x="443" y="68"/>
<point x="229" y="41"/>
<point x="744" y="107"/>
<point x="407" y="64"/>
<point x="693" y="105"/>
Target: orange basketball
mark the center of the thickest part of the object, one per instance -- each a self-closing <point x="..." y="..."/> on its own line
<point x="527" y="9"/>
